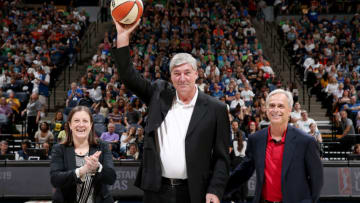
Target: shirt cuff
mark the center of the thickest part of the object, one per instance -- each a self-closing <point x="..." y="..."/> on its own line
<point x="77" y="172"/>
<point x="100" y="168"/>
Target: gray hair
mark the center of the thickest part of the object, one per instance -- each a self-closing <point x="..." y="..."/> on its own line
<point x="183" y="58"/>
<point x="281" y="91"/>
<point x="3" y="142"/>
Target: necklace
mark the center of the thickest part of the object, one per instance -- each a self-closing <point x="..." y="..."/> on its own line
<point x="81" y="152"/>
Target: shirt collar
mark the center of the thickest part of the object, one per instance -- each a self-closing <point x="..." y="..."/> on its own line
<point x="269" y="138"/>
<point x="192" y="102"/>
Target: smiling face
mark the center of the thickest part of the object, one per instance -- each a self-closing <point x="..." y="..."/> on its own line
<point x="278" y="109"/>
<point x="80" y="125"/>
<point x="183" y="78"/>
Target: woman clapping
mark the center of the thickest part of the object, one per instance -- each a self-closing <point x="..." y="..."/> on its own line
<point x="82" y="166"/>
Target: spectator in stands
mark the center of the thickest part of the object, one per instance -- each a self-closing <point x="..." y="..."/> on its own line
<point x="316" y="134"/>
<point x="237" y="101"/>
<point x="115" y="154"/>
<point x="132" y="116"/>
<point x="96" y="92"/>
<point x="62" y="135"/>
<point x="33" y="111"/>
<point x="346" y="124"/>
<point x="73" y="96"/>
<point x="27" y="85"/>
<point x="237" y="154"/>
<point x="296" y="113"/>
<point x="43" y="134"/>
<point x="104" y="7"/>
<point x="357" y="129"/>
<point x="356" y="149"/>
<point x="304" y="122"/>
<point x="4" y="147"/>
<point x="352" y="108"/>
<point x="43" y="81"/>
<point x="4" y="78"/>
<point x="5" y="111"/>
<point x="140" y="138"/>
<point x="71" y="44"/>
<point x="133" y="152"/>
<point x="103" y="108"/>
<point x="247" y="95"/>
<point x="294" y="90"/>
<point x="217" y="93"/>
<point x="22" y="153"/>
<point x="15" y="87"/>
<point x="345" y="99"/>
<point x="230" y="94"/>
<point x="330" y="90"/>
<point x="57" y="125"/>
<point x="116" y="116"/>
<point x="87" y="101"/>
<point x="252" y="128"/>
<point x="46" y="146"/>
<point x="235" y="130"/>
<point x="110" y="136"/>
<point x="14" y="104"/>
<point x="139" y="106"/>
<point x="127" y="138"/>
<point x="313" y="15"/>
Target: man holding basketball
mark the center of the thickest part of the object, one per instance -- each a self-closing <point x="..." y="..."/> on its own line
<point x="187" y="132"/>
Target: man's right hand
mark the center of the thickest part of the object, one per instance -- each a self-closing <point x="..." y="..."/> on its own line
<point x="124" y="32"/>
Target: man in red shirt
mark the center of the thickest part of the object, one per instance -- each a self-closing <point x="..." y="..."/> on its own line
<point x="286" y="159"/>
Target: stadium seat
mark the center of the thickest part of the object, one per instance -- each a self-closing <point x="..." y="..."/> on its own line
<point x="98" y="118"/>
<point x="99" y="128"/>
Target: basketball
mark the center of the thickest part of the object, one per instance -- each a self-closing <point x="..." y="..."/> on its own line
<point x="126" y="11"/>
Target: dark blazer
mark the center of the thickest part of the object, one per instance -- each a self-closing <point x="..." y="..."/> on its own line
<point x="301" y="173"/>
<point x="63" y="177"/>
<point x="206" y="142"/>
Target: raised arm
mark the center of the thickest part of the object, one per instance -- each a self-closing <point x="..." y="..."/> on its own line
<point x="127" y="74"/>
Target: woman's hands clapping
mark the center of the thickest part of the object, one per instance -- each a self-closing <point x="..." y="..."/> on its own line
<point x="91" y="163"/>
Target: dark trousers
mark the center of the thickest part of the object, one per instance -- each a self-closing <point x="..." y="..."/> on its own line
<point x="32" y="127"/>
<point x="168" y="194"/>
<point x="104" y="14"/>
<point x="241" y="193"/>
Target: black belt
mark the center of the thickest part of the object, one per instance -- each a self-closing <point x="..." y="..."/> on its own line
<point x="173" y="182"/>
<point x="266" y="201"/>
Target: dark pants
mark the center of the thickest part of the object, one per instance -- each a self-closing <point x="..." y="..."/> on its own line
<point x="104" y="14"/>
<point x="168" y="194"/>
<point x="241" y="193"/>
<point x="32" y="127"/>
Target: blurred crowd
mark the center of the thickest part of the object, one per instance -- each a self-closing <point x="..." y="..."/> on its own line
<point x="35" y="45"/>
<point x="326" y="53"/>
<point x="292" y="7"/>
<point x="221" y="36"/>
